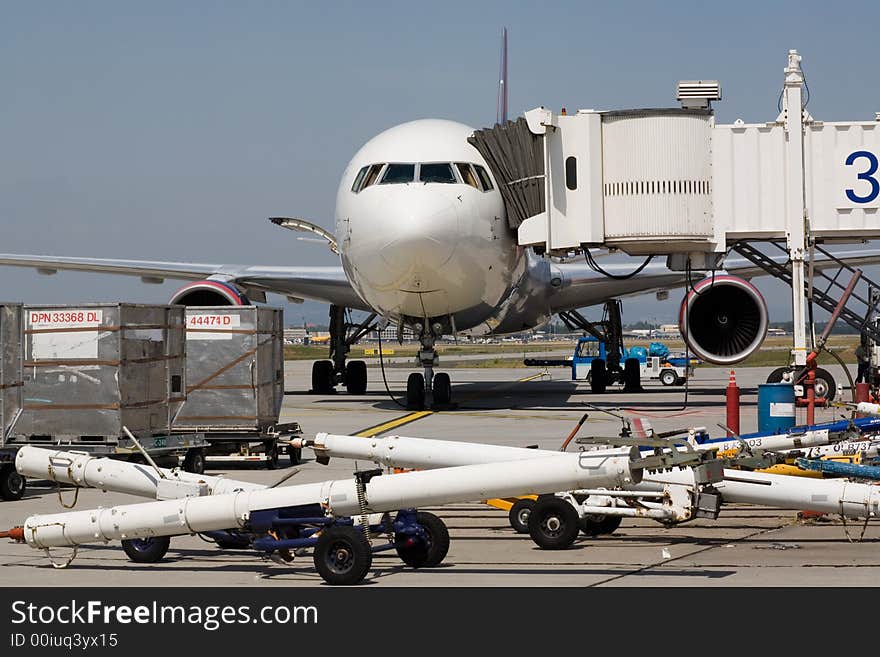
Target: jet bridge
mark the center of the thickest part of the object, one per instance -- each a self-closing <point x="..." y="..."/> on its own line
<point x="674" y="182"/>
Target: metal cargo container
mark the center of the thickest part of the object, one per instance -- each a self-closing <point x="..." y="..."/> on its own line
<point x="10" y="366"/>
<point x="234" y="368"/>
<point x="91" y="369"/>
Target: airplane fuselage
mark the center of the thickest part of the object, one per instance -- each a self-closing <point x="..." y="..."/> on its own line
<point x="422" y="231"/>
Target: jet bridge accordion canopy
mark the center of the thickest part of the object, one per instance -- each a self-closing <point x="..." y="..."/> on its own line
<point x="10" y="366"/>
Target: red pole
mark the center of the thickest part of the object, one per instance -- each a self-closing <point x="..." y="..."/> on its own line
<point x="732" y="405"/>
<point x="810" y="383"/>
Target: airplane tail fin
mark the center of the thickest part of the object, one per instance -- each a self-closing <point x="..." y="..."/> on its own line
<point x="501" y="107"/>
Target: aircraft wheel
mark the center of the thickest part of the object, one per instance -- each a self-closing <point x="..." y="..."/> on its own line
<point x="356" y="377"/>
<point x="553" y="524"/>
<point x="418" y="553"/>
<point x="598" y="376"/>
<point x="415" y="392"/>
<point x="668" y="377"/>
<point x="12" y="484"/>
<point x="322" y="376"/>
<point x="632" y="375"/>
<point x="442" y="389"/>
<point x="146" y="550"/>
<point x="590" y="526"/>
<point x="519" y="515"/>
<point x="342" y="555"/>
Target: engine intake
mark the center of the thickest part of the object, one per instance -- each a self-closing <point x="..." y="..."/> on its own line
<point x="723" y="319"/>
<point x="209" y="293"/>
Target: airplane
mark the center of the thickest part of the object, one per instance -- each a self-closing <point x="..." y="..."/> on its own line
<point x="423" y="241"/>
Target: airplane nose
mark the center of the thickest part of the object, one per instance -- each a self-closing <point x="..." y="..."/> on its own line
<point x="421" y="232"/>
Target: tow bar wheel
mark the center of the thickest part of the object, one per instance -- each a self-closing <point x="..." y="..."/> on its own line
<point x="428" y="552"/>
<point x="342" y="555"/>
<point x="519" y="515"/>
<point x="553" y="523"/>
<point x="146" y="550"/>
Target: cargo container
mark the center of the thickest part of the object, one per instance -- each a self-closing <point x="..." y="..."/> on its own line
<point x="12" y="484"/>
<point x="235" y="382"/>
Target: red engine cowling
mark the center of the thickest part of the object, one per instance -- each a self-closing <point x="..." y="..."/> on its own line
<point x="723" y="319"/>
<point x="209" y="293"/>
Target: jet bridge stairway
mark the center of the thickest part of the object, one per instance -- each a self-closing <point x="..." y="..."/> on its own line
<point x="829" y="285"/>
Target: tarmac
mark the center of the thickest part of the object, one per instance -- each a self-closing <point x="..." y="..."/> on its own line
<point x="746" y="546"/>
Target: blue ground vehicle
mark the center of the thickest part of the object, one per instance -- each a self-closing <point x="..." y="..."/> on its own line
<point x="654" y="362"/>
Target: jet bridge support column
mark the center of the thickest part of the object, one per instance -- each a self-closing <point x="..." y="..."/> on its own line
<point x="796" y="212"/>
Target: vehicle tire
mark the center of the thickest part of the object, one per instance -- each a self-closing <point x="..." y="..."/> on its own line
<point x="632" y="375"/>
<point x="680" y="381"/>
<point x="322" y="376"/>
<point x="442" y="389"/>
<point x="270" y="449"/>
<point x="294" y="454"/>
<point x="146" y="550"/>
<point x="519" y="515"/>
<point x="356" y="377"/>
<point x="342" y="555"/>
<point x="668" y="377"/>
<point x="415" y="392"/>
<point x="194" y="461"/>
<point x="598" y="376"/>
<point x="825" y="385"/>
<point x="418" y="554"/>
<point x="553" y="524"/>
<point x="12" y="484"/>
<point x="591" y="526"/>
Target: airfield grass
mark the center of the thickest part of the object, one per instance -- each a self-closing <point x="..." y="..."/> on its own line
<point x="773" y="353"/>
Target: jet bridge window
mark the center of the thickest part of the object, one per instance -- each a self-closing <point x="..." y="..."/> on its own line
<point x="436" y="173"/>
<point x="371" y="176"/>
<point x="484" y="178"/>
<point x="468" y="177"/>
<point x="399" y="173"/>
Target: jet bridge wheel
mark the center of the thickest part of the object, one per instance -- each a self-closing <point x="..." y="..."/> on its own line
<point x="12" y="484"/>
<point x="553" y="523"/>
<point x="415" y="392"/>
<point x="599" y="525"/>
<point x="418" y="553"/>
<point x="826" y="386"/>
<point x="146" y="550"/>
<point x="342" y="555"/>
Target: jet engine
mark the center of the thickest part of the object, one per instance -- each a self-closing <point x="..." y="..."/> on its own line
<point x="723" y="319"/>
<point x="209" y="293"/>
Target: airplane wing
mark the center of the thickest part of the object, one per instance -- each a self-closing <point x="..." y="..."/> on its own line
<point x="328" y="284"/>
<point x="582" y="286"/>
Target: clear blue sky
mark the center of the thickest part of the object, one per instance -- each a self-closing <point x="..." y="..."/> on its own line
<point x="171" y="130"/>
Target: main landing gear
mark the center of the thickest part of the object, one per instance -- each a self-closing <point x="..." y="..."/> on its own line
<point x="327" y="374"/>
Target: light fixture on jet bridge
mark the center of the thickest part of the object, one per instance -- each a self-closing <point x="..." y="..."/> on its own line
<point x="698" y="94"/>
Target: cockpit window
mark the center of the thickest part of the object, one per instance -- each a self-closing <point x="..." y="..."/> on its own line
<point x="356" y="185"/>
<point x="399" y="173"/>
<point x="484" y="178"/>
<point x="468" y="177"/>
<point x="371" y="176"/>
<point x="436" y="173"/>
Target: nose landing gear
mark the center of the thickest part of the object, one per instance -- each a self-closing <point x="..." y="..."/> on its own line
<point x="419" y="386"/>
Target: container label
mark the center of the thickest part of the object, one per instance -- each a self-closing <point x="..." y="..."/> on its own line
<point x="61" y="333"/>
<point x="214" y="325"/>
<point x="781" y="409"/>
